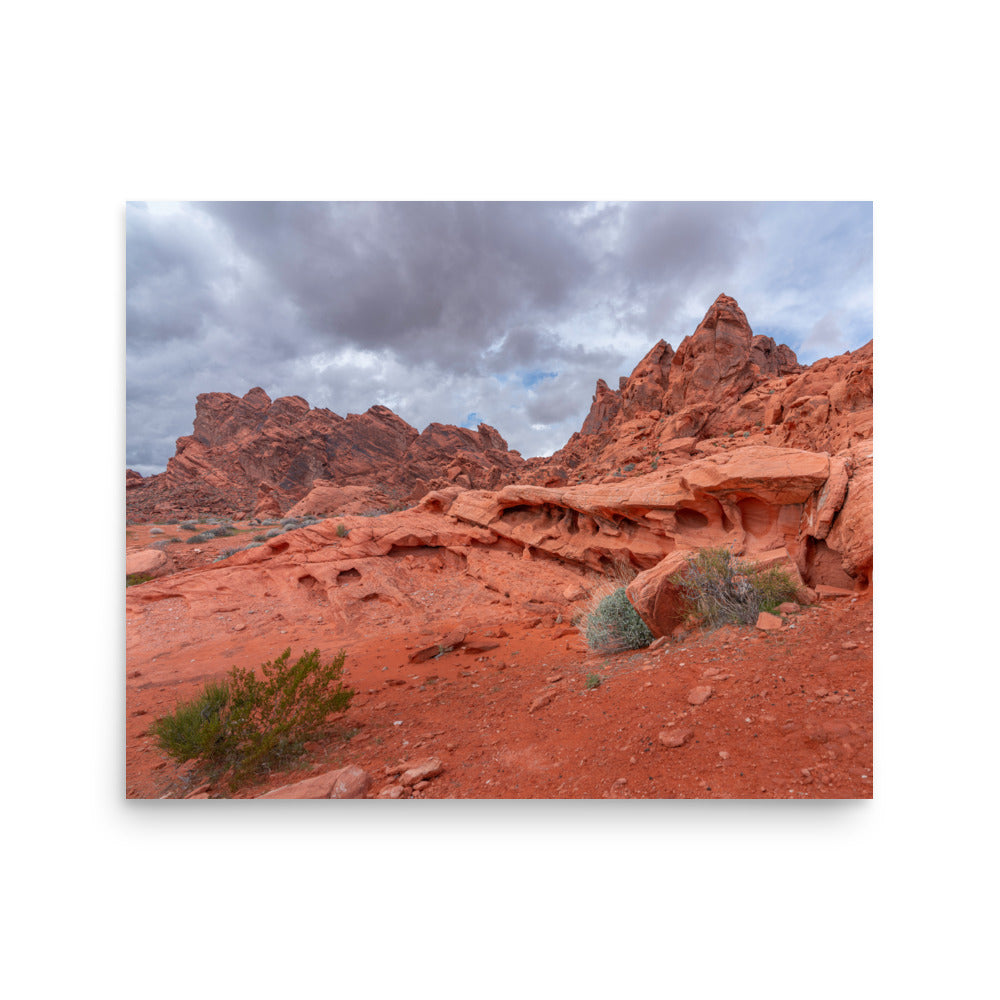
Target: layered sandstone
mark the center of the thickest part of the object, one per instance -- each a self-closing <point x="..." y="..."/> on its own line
<point x="525" y="548"/>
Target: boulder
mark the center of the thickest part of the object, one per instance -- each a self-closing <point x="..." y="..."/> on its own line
<point x="659" y="602"/>
<point x="145" y="562"/>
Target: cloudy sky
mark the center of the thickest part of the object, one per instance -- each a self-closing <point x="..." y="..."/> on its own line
<point x="463" y="312"/>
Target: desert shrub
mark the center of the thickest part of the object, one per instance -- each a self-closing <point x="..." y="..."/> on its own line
<point x="225" y="531"/>
<point x="614" y="625"/>
<point x="244" y="725"/>
<point x="720" y="589"/>
<point x="189" y="526"/>
<point x="133" y="578"/>
<point x="341" y="531"/>
<point x="156" y="531"/>
<point x="593" y="681"/>
<point x="630" y="467"/>
<point x="226" y="553"/>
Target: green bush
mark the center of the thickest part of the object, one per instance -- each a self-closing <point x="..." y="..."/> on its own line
<point x="593" y="681"/>
<point x="133" y="578"/>
<point x="720" y="589"/>
<point x="341" y="531"/>
<point x="243" y="725"/>
<point x="614" y="625"/>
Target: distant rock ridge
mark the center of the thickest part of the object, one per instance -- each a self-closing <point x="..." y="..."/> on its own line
<point x="248" y="452"/>
<point x="723" y="387"/>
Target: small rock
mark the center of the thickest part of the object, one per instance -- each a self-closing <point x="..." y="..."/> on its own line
<point x="699" y="695"/>
<point x="849" y="644"/>
<point x="349" y="782"/>
<point x="768" y="622"/>
<point x="676" y="738"/>
<point x="421" y="772"/>
<point x="788" y="608"/>
<point x="541" y="701"/>
<point x="391" y="792"/>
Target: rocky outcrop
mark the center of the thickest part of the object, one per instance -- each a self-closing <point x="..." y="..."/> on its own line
<point x="642" y="481"/>
<point x="724" y="386"/>
<point x="251" y="454"/>
<point x="533" y="550"/>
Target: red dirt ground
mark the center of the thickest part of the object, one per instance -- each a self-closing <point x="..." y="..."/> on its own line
<point x="789" y="715"/>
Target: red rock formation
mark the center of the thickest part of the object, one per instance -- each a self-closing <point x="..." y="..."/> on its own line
<point x="697" y="392"/>
<point x="251" y="454"/>
<point x="663" y="467"/>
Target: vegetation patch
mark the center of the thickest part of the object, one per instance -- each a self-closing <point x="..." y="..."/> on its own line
<point x="244" y="726"/>
<point x="614" y="625"/>
<point x="720" y="589"/>
<point x="226" y="531"/>
<point x="609" y="623"/>
<point x="133" y="578"/>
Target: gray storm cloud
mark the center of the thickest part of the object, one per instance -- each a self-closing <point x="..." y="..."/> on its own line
<point x="510" y="311"/>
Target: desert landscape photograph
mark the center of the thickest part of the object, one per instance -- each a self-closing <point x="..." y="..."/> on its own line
<point x="482" y="402"/>
<point x="499" y="500"/>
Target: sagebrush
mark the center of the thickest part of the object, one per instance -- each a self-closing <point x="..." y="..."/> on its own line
<point x="610" y="624"/>
<point x="614" y="625"/>
<point x="243" y="725"/>
<point x="720" y="589"/>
